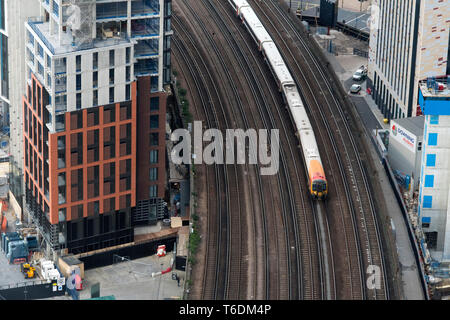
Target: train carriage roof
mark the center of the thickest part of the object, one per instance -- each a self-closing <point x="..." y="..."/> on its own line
<point x="255" y="24"/>
<point x="277" y="63"/>
<point x="292" y="96"/>
<point x="309" y="144"/>
<point x="301" y="118"/>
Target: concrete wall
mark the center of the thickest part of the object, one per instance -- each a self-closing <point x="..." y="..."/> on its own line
<point x="16" y="15"/>
<point x="441" y="188"/>
<point x="15" y="205"/>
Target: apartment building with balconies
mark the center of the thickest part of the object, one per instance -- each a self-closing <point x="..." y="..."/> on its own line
<point x="94" y="119"/>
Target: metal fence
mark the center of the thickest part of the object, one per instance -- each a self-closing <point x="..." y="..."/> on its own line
<point x="131" y="252"/>
<point x="360" y="53"/>
<point x="32" y="290"/>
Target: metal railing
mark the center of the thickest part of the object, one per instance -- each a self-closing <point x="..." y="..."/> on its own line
<point x="33" y="22"/>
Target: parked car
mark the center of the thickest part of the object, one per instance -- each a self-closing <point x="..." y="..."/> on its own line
<point x="355" y="88"/>
<point x="360" y="74"/>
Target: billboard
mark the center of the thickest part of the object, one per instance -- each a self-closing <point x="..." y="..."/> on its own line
<point x="328" y="13"/>
<point x="403" y="136"/>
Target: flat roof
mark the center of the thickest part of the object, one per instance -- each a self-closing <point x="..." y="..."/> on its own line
<point x="414" y="125"/>
<point x="431" y="92"/>
<point x="51" y="41"/>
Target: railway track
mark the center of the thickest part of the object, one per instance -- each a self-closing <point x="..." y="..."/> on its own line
<point x="310" y="287"/>
<point x="214" y="180"/>
<point x="296" y="269"/>
<point x="363" y="246"/>
<point x="222" y="277"/>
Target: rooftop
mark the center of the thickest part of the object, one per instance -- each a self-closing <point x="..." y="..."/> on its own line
<point x="414" y="125"/>
<point x="435" y="87"/>
<point x="67" y="45"/>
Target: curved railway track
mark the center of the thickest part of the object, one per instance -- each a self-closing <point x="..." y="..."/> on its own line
<point x="301" y="250"/>
<point x="218" y="281"/>
<point x="363" y="245"/>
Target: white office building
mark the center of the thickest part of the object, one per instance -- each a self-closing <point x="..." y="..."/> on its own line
<point x="14" y="14"/>
<point x="411" y="43"/>
<point x="434" y="192"/>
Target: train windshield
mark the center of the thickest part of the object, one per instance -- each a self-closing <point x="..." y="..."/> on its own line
<point x="320" y="185"/>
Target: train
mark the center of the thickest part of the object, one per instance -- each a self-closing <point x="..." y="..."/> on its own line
<point x="318" y="184"/>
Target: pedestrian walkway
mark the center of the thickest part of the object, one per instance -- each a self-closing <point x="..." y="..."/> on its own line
<point x="372" y="119"/>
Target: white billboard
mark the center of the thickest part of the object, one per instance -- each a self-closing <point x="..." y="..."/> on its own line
<point x="403" y="136"/>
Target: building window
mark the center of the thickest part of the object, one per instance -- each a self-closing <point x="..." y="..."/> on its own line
<point x="40" y="51"/>
<point x="434" y="119"/>
<point x="154" y="103"/>
<point x="95" y="79"/>
<point x="153" y="156"/>
<point x="111" y="76"/>
<point x="429" y="181"/>
<point x="154" y="84"/>
<point x="427" y="202"/>
<point x="153" y="174"/>
<point x="2" y="12"/>
<point x="95" y="61"/>
<point x="127" y="55"/>
<point x="111" y="58"/>
<point x="431" y="239"/>
<point x="111" y="95"/>
<point x="127" y="92"/>
<point x="55" y="8"/>
<point x="78" y="62"/>
<point x="432" y="139"/>
<point x="95" y="98"/>
<point x="78" y="101"/>
<point x="431" y="160"/>
<point x="426" y="221"/>
<point x="154" y="122"/>
<point x="154" y="139"/>
<point x="127" y="74"/>
<point x="78" y="82"/>
<point x="153" y="191"/>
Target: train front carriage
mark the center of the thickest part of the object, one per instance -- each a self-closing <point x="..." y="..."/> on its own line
<point x="317" y="181"/>
<point x="238" y="5"/>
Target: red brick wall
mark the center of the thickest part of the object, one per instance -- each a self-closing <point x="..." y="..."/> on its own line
<point x="104" y="198"/>
<point x="143" y="140"/>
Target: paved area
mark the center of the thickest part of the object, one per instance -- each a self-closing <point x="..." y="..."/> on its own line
<point x="132" y="280"/>
<point x="373" y="119"/>
<point x="9" y="273"/>
<point x="351" y="12"/>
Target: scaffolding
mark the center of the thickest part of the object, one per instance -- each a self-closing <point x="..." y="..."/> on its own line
<point x="79" y="14"/>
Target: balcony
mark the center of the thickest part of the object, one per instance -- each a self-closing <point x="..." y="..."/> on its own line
<point x="60" y="66"/>
<point x="60" y="85"/>
<point x="36" y="24"/>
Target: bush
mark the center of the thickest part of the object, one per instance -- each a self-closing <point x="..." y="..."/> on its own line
<point x="194" y="242"/>
<point x="182" y="92"/>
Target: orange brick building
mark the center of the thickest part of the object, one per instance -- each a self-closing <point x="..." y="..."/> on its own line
<point x="81" y="181"/>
